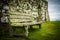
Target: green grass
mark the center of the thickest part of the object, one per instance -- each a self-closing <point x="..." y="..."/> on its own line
<point x="48" y="31"/>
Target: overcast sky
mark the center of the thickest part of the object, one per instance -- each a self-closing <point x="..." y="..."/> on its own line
<point x="54" y="9"/>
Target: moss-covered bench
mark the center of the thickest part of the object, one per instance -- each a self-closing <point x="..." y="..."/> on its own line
<point x="25" y="27"/>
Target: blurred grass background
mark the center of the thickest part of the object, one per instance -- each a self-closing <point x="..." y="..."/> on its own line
<point x="49" y="31"/>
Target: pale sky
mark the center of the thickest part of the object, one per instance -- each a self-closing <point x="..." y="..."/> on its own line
<point x="54" y="9"/>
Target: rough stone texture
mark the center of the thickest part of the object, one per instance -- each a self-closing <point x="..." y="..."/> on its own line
<point x="18" y="11"/>
<point x="25" y="10"/>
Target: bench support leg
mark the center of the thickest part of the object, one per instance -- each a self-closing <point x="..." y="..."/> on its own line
<point x="39" y="26"/>
<point x="31" y="26"/>
<point x="11" y="32"/>
<point x="26" y="31"/>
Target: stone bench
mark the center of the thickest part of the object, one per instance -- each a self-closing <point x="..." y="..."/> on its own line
<point x="25" y="27"/>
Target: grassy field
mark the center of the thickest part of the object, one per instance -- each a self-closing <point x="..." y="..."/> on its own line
<point x="48" y="31"/>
